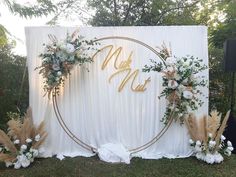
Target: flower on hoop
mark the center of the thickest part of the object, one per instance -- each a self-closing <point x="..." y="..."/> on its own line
<point x="59" y="57"/>
<point x="181" y="82"/>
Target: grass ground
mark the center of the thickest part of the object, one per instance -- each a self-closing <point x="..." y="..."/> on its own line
<point x="93" y="167"/>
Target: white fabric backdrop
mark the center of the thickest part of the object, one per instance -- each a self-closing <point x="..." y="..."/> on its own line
<point x="96" y="112"/>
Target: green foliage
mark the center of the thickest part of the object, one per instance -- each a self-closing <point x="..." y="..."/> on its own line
<point x="142" y="12"/>
<point x="220" y="82"/>
<point x="43" y="7"/>
<point x="11" y="71"/>
<point x="3" y="37"/>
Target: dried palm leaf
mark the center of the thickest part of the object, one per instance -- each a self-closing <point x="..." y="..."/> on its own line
<point x="41" y="129"/>
<point x="221" y="129"/>
<point x="14" y="130"/>
<point x="7" y="157"/>
<point x="202" y="128"/>
<point x="5" y="140"/>
<point x="27" y="126"/>
<point x="213" y="122"/>
<point x="205" y="118"/>
<point x="192" y="126"/>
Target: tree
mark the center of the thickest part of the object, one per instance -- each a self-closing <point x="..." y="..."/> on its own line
<point x="11" y="70"/>
<point x="142" y="12"/>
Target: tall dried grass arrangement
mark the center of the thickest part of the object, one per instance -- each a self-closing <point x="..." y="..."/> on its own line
<point x="21" y="130"/>
<point x="221" y="129"/>
<point x="200" y="128"/>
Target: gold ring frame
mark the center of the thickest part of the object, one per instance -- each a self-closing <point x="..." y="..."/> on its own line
<point x="94" y="149"/>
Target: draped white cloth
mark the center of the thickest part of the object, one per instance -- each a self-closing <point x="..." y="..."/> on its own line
<point x="96" y="112"/>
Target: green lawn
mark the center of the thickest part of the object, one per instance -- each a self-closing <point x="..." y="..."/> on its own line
<point x="88" y="167"/>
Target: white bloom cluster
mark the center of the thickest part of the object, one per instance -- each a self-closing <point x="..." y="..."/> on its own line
<point x="208" y="152"/>
<point x="210" y="158"/>
<point x="24" y="159"/>
<point x="26" y="153"/>
<point x="181" y="81"/>
<point x="60" y="56"/>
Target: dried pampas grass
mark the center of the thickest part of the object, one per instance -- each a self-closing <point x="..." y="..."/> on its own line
<point x="222" y="128"/>
<point x="200" y="128"/>
<point x="213" y="122"/>
<point x="6" y="141"/>
<point x="21" y="130"/>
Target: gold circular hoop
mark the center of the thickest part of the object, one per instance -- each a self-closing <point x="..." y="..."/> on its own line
<point x="94" y="149"/>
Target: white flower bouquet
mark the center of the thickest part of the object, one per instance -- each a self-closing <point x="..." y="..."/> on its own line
<point x="181" y="82"/>
<point x="208" y="151"/>
<point x="207" y="141"/>
<point x="59" y="58"/>
<point x="22" y="144"/>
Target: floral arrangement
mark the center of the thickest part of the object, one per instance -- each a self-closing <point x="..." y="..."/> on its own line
<point x="181" y="83"/>
<point x="22" y="143"/>
<point x="207" y="141"/>
<point x="60" y="57"/>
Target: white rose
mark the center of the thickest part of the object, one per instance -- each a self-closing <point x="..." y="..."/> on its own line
<point x="227" y="152"/>
<point x="59" y="73"/>
<point x="191" y="141"/>
<point x="170" y="61"/>
<point x="210" y="158"/>
<point x="17" y="165"/>
<point x="229" y="143"/>
<point x="28" y="140"/>
<point x="187" y="94"/>
<point x="177" y="76"/>
<point x="172" y="84"/>
<point x="200" y="156"/>
<point x="230" y="148"/>
<point x="198" y="143"/>
<point x="186" y="64"/>
<point x="16" y="141"/>
<point x="25" y="162"/>
<point x="222" y="138"/>
<point x="8" y="164"/>
<point x="198" y="148"/>
<point x="218" y="158"/>
<point x="212" y="144"/>
<point x="23" y="147"/>
<point x="37" y="137"/>
<point x="70" y="48"/>
<point x="210" y="135"/>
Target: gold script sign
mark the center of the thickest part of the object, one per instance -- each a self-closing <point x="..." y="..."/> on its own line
<point x="125" y="65"/>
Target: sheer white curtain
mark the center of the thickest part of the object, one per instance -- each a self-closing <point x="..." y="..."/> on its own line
<point x="95" y="111"/>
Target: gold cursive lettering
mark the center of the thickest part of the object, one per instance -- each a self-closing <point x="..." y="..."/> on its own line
<point x="123" y="66"/>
